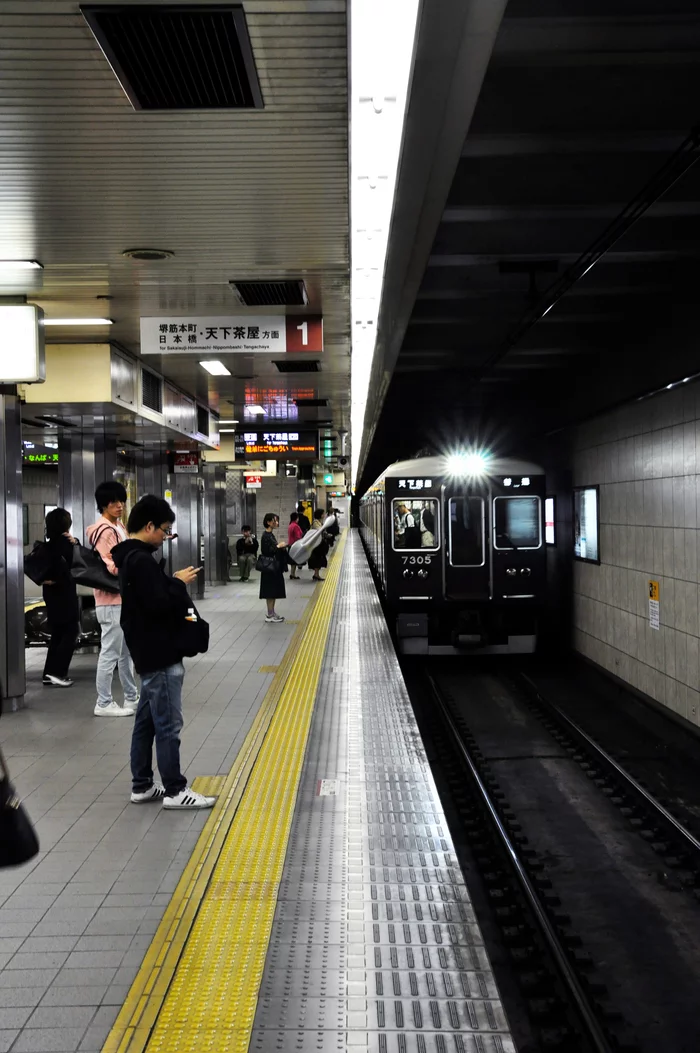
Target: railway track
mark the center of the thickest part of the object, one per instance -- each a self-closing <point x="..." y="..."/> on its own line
<point x="591" y="925"/>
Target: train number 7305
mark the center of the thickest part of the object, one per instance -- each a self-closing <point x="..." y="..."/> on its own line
<point x="416" y="559"/>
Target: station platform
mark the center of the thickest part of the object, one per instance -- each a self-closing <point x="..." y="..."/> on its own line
<point x="319" y="905"/>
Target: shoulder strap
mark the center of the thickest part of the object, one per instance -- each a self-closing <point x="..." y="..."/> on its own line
<point x="100" y="531"/>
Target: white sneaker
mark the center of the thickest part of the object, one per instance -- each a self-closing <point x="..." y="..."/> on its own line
<point x="156" y="793"/>
<point x="274" y="618"/>
<point x="188" y="798"/>
<point x="57" y="681"/>
<point x="113" y="710"/>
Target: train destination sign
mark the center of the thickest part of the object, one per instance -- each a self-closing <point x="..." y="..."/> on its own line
<point x="234" y="334"/>
<point x="280" y="444"/>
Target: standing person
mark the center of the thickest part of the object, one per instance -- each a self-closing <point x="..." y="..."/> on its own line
<point x="294" y="533"/>
<point x="246" y="553"/>
<point x="303" y="519"/>
<point x="333" y="530"/>
<point x="61" y="599"/>
<point x="104" y="535"/>
<point x="154" y="607"/>
<point x="272" y="579"/>
<point x="318" y="559"/>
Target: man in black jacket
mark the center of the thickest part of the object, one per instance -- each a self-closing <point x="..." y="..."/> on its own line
<point x="154" y="607"/>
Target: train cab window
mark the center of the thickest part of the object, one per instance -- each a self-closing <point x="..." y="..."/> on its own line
<point x="415" y="524"/>
<point x="517" y="522"/>
<point x="467" y="532"/>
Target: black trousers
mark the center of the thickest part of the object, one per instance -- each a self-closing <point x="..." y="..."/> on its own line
<point x="63" y="640"/>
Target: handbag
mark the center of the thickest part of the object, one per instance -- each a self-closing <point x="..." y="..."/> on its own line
<point x="37" y="563"/>
<point x="266" y="563"/>
<point x="18" y="840"/>
<point x="88" y="568"/>
<point x="193" y="635"/>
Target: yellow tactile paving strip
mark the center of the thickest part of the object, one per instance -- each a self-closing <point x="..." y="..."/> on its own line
<point x="197" y="989"/>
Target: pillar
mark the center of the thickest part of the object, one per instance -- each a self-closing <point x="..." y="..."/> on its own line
<point x="215" y="536"/>
<point x="12" y="667"/>
<point x="87" y="457"/>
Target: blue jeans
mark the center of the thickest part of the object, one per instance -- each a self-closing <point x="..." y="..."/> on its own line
<point x="159" y="717"/>
<point x="113" y="653"/>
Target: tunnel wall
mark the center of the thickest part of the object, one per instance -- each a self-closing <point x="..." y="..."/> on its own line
<point x="645" y="457"/>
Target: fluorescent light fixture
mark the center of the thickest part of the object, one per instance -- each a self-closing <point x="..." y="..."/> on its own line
<point x="467" y="464"/>
<point x="256" y="409"/>
<point x="216" y="368"/>
<point x="225" y="422"/>
<point x="20" y="265"/>
<point x="22" y="358"/>
<point x="78" y="321"/>
<point x="382" y="34"/>
<point x="227" y="431"/>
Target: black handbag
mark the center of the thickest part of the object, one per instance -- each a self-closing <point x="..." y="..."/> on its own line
<point x="37" y="563"/>
<point x="88" y="568"/>
<point x="266" y="563"/>
<point x="18" y="840"/>
<point x="193" y="635"/>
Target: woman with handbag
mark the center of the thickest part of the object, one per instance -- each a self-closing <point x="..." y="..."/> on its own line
<point x="61" y="599"/>
<point x="271" y="564"/>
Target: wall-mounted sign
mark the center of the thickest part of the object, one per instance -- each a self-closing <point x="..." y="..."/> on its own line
<point x="187" y="463"/>
<point x="253" y="482"/>
<point x="22" y="356"/>
<point x="247" y="334"/>
<point x="280" y="443"/>
<point x="654" y="609"/>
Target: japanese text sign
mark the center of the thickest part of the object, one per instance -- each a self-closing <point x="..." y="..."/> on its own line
<point x="248" y="334"/>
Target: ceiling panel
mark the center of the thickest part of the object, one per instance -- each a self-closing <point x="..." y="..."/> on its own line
<point x="233" y="194"/>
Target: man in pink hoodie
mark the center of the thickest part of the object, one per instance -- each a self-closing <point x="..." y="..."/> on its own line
<point x="103" y="535"/>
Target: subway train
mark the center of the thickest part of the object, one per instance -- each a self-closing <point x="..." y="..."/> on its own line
<point x="457" y="547"/>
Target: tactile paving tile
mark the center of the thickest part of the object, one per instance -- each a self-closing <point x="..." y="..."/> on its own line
<point x="374" y="943"/>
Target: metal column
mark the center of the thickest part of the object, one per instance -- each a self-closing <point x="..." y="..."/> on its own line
<point x="12" y="668"/>
<point x="86" y="458"/>
<point x="187" y="550"/>
<point x="215" y="539"/>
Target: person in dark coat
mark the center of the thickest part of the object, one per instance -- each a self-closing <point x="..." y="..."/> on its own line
<point x="303" y="519"/>
<point x="334" y="529"/>
<point x="272" y="581"/>
<point x="61" y="599"/>
<point x="317" y="559"/>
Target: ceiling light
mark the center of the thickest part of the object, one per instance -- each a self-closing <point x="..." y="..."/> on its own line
<point x="20" y="265"/>
<point x="229" y="422"/>
<point x="78" y="321"/>
<point x="216" y="368"/>
<point x="227" y="431"/>
<point x="148" y="255"/>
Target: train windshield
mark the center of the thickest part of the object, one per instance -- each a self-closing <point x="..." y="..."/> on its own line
<point x="517" y="522"/>
<point x="416" y="524"/>
<point x="467" y="532"/>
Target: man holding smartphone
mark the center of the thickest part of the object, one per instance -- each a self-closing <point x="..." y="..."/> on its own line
<point x="154" y="606"/>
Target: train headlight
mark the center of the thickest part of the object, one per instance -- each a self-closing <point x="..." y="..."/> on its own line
<point x="467" y="464"/>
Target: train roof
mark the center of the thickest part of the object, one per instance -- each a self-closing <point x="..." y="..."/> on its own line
<point x="429" y="466"/>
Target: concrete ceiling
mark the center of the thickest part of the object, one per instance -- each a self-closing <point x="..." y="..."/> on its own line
<point x="233" y="194"/>
<point x="584" y="104"/>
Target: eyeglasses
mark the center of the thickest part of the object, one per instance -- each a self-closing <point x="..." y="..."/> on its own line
<point x="166" y="531"/>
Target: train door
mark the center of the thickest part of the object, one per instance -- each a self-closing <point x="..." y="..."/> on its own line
<point x="467" y="562"/>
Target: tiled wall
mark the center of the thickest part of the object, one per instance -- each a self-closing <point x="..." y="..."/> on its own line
<point x="646" y="460"/>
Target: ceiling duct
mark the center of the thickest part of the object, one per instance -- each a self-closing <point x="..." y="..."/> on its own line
<point x="271" y="293"/>
<point x="295" y="366"/>
<point x="151" y="391"/>
<point x="178" y="57"/>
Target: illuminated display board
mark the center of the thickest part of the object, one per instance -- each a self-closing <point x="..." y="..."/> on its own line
<point x="280" y="444"/>
<point x="34" y="457"/>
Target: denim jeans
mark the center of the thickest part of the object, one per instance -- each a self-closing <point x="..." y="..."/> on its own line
<point x="113" y="653"/>
<point x="159" y="717"/>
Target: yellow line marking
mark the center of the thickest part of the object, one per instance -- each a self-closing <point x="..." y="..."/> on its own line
<point x="209" y="785"/>
<point x="198" y="985"/>
<point x="268" y="668"/>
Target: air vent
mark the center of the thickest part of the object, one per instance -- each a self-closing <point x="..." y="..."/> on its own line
<point x="151" y="391"/>
<point x="291" y="365"/>
<point x="271" y="294"/>
<point x="178" y="57"/>
<point x="309" y="403"/>
<point x="202" y="420"/>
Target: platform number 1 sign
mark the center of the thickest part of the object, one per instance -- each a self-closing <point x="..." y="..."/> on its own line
<point x="653" y="605"/>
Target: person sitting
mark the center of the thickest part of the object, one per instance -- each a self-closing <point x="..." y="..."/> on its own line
<point x="294" y="533"/>
<point x="246" y="553"/>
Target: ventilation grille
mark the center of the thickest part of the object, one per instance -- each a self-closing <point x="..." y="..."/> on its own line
<point x="202" y="420"/>
<point x="309" y="403"/>
<point x="151" y="391"/>
<point x="169" y="57"/>
<point x="271" y="294"/>
<point x="294" y="366"/>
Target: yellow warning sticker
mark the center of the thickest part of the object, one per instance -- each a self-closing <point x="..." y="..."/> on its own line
<point x="654" y="590"/>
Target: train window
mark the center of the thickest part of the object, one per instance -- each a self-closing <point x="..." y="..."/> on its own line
<point x="517" y="522"/>
<point x="415" y="524"/>
<point x="586" y="524"/>
<point x="549" y="534"/>
<point x="467" y="532"/>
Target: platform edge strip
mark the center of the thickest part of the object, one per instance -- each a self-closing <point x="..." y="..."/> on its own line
<point x="131" y="1032"/>
<point x="242" y="926"/>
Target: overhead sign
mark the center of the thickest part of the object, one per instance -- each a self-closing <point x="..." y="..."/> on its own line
<point x="280" y="443"/>
<point x="40" y="458"/>
<point x="245" y="334"/>
<point x="187" y="463"/>
<point x="22" y="355"/>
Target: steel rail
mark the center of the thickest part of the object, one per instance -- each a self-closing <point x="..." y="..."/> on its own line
<point x="568" y="975"/>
